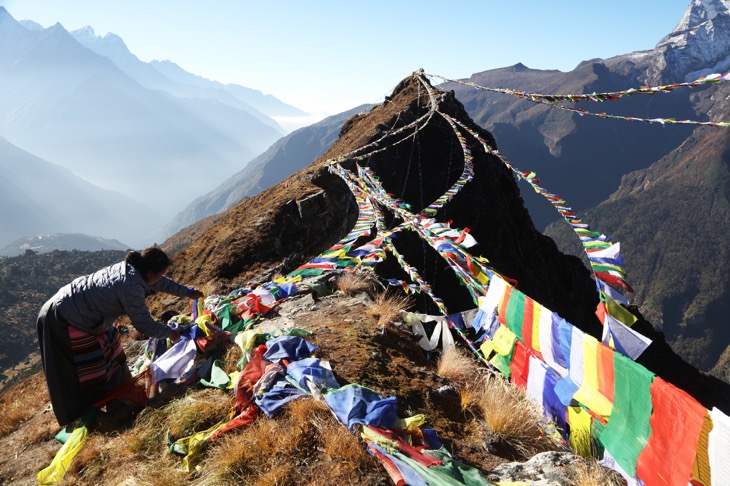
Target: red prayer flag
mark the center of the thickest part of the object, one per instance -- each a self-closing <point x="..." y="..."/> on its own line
<point x="605" y="371"/>
<point x="527" y="322"/>
<point x="520" y="366"/>
<point x="502" y="311"/>
<point x="614" y="280"/>
<point x="676" y="422"/>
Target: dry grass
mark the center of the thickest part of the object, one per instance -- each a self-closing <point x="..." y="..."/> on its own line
<point x="510" y="416"/>
<point x="470" y="395"/>
<point x="196" y="411"/>
<point x="590" y="473"/>
<point x="231" y="358"/>
<point x="457" y="367"/>
<point x="305" y="445"/>
<point x="20" y="402"/>
<point x="350" y="283"/>
<point x="105" y="458"/>
<point x="388" y="306"/>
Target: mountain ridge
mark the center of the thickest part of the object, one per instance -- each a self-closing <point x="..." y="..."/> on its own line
<point x="65" y="103"/>
<point x="287" y="155"/>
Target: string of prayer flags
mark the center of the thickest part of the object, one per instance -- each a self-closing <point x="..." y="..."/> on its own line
<point x="596" y="97"/>
<point x="556" y="100"/>
<point x="603" y="256"/>
<point x="357" y="153"/>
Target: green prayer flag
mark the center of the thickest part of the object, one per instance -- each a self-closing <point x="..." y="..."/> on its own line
<point x="514" y="315"/>
<point x="218" y="377"/>
<point x="628" y="429"/>
<point x="502" y="363"/>
<point x="455" y="469"/>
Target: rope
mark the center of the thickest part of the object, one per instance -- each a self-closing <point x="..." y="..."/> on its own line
<point x="554" y="100"/>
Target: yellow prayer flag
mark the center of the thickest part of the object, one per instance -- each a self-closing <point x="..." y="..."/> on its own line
<point x="580" y="431"/>
<point x="247" y="339"/>
<point x="588" y="393"/>
<point x="617" y="311"/>
<point x="504" y="340"/>
<point x="55" y="472"/>
<point x="536" y="311"/>
<point x="701" y="472"/>
<point x="193" y="445"/>
<point x="487" y="348"/>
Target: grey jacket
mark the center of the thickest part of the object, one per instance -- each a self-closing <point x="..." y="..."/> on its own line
<point x="92" y="303"/>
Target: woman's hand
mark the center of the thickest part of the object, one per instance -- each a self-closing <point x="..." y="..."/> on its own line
<point x="174" y="336"/>
<point x="195" y="294"/>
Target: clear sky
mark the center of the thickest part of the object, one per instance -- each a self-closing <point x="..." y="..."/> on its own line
<point x="326" y="56"/>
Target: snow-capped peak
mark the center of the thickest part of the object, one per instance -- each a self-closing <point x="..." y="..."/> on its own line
<point x="699" y="12"/>
<point x="84" y="34"/>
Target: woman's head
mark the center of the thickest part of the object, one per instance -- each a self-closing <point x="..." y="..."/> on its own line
<point x="151" y="263"/>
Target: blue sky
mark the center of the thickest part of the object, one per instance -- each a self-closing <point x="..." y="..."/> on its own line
<point x="326" y="56"/>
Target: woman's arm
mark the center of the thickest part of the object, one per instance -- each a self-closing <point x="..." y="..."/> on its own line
<point x="169" y="286"/>
<point x="135" y="306"/>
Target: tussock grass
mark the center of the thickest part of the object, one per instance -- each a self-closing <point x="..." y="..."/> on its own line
<point x="457" y="367"/>
<point x="106" y="458"/>
<point x="590" y="473"/>
<point x="350" y="283"/>
<point x="304" y="445"/>
<point x="196" y="411"/>
<point x="469" y="395"/>
<point x="512" y="417"/>
<point x="388" y="306"/>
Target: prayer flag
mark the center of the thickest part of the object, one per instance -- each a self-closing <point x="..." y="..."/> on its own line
<point x="628" y="431"/>
<point x="676" y="422"/>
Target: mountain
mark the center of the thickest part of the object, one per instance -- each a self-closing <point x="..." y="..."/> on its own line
<point x="185" y="85"/>
<point x="581" y="156"/>
<point x="596" y="163"/>
<point x="268" y="104"/>
<point x="587" y="156"/>
<point x="26" y="282"/>
<point x="289" y="154"/>
<point x="66" y="103"/>
<point x="698" y="45"/>
<point x="284" y="226"/>
<point x="673" y="218"/>
<point x="38" y="197"/>
<point x="61" y="242"/>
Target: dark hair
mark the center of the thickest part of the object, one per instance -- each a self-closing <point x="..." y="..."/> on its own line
<point x="149" y="260"/>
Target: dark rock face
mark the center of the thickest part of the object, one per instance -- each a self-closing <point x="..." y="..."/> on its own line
<point x="421" y="169"/>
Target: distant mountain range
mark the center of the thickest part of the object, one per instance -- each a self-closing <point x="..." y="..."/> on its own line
<point x="60" y="242"/>
<point x="123" y="124"/>
<point x="40" y="197"/>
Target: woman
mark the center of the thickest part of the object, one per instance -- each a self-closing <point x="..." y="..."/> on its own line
<point x="81" y="351"/>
